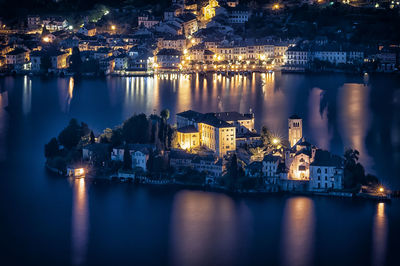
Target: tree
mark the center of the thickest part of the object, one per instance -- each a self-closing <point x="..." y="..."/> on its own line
<point x="51" y="149"/>
<point x="136" y="129"/>
<point x="165" y="114"/>
<point x="266" y="136"/>
<point x="92" y="138"/>
<point x="127" y="159"/>
<point x="71" y="135"/>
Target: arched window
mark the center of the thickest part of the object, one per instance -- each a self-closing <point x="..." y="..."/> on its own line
<point x="319" y="170"/>
<point x="301" y="160"/>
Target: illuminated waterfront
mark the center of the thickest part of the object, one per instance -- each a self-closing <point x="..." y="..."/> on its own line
<point x="85" y="222"/>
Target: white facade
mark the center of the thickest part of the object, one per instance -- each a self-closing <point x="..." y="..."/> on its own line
<point x="323" y="178"/>
<point x="334" y="57"/>
<point x="139" y="159"/>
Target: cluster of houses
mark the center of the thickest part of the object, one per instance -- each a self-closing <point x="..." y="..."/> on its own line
<point x="301" y="166"/>
<point x="188" y="37"/>
<point x="206" y="142"/>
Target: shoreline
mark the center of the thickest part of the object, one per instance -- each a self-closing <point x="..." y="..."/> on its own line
<point x="219" y="189"/>
<point x="204" y="73"/>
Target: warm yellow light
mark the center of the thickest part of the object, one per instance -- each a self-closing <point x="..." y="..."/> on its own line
<point x="381" y="189"/>
<point x="192" y="41"/>
<point x="185" y="51"/>
<point x="46" y="39"/>
<point x="275" y="6"/>
<point x="219" y="58"/>
<point x="113" y="27"/>
<point x="262" y="57"/>
<point x="240" y="57"/>
<point x="275" y="141"/>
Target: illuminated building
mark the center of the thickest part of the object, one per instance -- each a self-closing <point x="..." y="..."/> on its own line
<point x="188" y="137"/>
<point x="295" y="129"/>
<point x="214" y="133"/>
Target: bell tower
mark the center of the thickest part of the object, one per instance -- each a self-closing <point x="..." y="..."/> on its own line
<point x="295" y="129"/>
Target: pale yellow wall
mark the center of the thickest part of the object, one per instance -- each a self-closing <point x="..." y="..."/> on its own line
<point x="188" y="140"/>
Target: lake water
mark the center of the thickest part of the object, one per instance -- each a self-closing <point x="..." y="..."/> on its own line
<point x="53" y="220"/>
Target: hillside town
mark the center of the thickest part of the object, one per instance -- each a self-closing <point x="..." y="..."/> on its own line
<point x="216" y="150"/>
<point x="189" y="36"/>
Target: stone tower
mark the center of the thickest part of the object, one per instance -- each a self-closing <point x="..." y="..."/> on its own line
<point x="295" y="129"/>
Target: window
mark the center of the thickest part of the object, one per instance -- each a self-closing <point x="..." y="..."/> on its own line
<point x="319" y="170"/>
<point x="326" y="170"/>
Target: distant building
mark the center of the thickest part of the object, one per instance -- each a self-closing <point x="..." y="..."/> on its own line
<point x="326" y="172"/>
<point x="88" y="30"/>
<point x="238" y="14"/>
<point x="18" y="56"/>
<point x="34" y="21"/>
<point x="147" y="21"/>
<point x="168" y="58"/>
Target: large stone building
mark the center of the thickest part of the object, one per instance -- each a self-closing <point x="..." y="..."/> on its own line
<point x="216" y="131"/>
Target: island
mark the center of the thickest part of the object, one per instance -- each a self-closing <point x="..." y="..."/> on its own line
<point x="220" y="151"/>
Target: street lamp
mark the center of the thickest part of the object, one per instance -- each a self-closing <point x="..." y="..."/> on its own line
<point x="113" y="27"/>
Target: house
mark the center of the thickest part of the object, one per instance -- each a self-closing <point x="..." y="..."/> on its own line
<point x="189" y="23"/>
<point x="59" y="59"/>
<point x="139" y="159"/>
<point x="177" y="42"/>
<point x="211" y="165"/>
<point x="36" y="60"/>
<point x="238" y="14"/>
<point x="88" y="30"/>
<point x="34" y="21"/>
<point x="18" y="56"/>
<point x="270" y="165"/>
<point x="326" y="172"/>
<point x="147" y="21"/>
<point x="54" y="23"/>
<point x="121" y="62"/>
<point x="168" y="58"/>
<point x="117" y="153"/>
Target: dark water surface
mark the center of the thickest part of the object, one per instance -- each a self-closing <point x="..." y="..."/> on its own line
<point x="48" y="220"/>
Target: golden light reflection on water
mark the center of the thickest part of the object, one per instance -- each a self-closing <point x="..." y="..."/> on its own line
<point x="275" y="109"/>
<point x="65" y="93"/>
<point x="27" y="95"/>
<point x="318" y="121"/>
<point x="379" y="236"/>
<point x="80" y="222"/>
<point x="203" y="228"/>
<point x="354" y="118"/>
<point x="298" y="232"/>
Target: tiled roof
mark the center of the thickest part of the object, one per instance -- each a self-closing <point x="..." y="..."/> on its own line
<point x="325" y="158"/>
<point x="188" y="129"/>
<point x="233" y="116"/>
